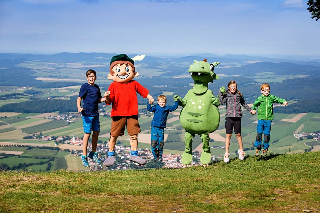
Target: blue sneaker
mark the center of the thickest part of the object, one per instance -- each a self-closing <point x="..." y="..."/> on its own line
<point x="84" y="160"/>
<point x="94" y="157"/>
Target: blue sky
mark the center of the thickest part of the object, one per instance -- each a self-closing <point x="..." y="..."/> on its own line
<point x="273" y="27"/>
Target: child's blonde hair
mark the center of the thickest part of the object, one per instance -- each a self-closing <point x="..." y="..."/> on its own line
<point x="162" y="97"/>
<point x="264" y="85"/>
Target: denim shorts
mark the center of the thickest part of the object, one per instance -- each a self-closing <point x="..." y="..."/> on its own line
<point x="91" y="124"/>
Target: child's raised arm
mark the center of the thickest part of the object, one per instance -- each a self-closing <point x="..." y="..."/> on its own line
<point x="176" y="104"/>
<point x="150" y="108"/>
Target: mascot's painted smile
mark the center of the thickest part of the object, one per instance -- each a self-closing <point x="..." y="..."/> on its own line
<point x="123" y="77"/>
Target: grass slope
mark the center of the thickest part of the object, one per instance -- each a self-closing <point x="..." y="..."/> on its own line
<point x="276" y="183"/>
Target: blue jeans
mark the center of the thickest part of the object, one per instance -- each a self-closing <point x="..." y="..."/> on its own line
<point x="157" y="141"/>
<point x="264" y="126"/>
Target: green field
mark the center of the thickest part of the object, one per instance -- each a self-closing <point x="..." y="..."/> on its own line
<point x="282" y="139"/>
<point x="34" y="159"/>
<point x="15" y="160"/>
<point x="45" y="126"/>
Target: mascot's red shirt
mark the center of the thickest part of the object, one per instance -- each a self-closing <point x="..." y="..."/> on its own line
<point x="124" y="98"/>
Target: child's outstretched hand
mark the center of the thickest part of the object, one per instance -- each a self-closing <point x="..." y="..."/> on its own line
<point x="253" y="112"/>
<point x="285" y="103"/>
<point x="223" y="89"/>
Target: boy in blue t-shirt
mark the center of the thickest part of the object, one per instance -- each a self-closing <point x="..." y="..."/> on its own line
<point x="158" y="124"/>
<point x="91" y="95"/>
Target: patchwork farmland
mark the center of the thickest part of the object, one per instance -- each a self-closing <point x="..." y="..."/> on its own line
<point x="15" y="127"/>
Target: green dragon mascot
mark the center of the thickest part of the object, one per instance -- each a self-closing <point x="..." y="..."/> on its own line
<point x="200" y="114"/>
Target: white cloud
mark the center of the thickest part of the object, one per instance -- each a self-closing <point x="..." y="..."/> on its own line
<point x="293" y="3"/>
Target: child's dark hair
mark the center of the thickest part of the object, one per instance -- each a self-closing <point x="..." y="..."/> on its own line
<point x="233" y="82"/>
<point x="91" y="71"/>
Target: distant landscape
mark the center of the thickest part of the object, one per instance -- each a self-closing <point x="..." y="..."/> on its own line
<point x="38" y="104"/>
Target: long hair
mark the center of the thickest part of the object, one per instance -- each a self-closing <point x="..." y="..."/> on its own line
<point x="233" y="82"/>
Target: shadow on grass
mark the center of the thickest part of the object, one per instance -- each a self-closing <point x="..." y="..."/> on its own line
<point x="258" y="158"/>
<point x="267" y="157"/>
<point x="154" y="164"/>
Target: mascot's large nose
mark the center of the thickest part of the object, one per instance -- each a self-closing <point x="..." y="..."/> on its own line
<point x="123" y="72"/>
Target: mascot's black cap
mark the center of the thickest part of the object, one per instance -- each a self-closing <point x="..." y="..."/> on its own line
<point x="121" y="57"/>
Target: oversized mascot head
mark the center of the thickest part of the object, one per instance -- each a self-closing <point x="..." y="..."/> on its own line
<point x="122" y="68"/>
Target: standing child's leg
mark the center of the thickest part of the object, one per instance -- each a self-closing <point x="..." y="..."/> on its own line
<point x="237" y="131"/>
<point x="229" y="124"/>
<point x="93" y="154"/>
<point x="84" y="158"/>
<point x="96" y="129"/>
<point x="161" y="142"/>
<point x="154" y="142"/>
<point x="266" y="132"/>
<point x="239" y="139"/>
<point x="258" y="141"/>
<point x="226" y="155"/>
<point x="85" y="140"/>
<point x="240" y="151"/>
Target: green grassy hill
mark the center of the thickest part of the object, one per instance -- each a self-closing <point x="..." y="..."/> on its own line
<point x="276" y="183"/>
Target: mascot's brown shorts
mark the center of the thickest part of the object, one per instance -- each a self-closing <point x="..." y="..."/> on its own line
<point x="119" y="123"/>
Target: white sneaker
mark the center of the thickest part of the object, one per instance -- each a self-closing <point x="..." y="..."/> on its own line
<point x="241" y="154"/>
<point x="226" y="158"/>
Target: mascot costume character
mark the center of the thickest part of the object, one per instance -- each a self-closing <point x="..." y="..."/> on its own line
<point x="122" y="94"/>
<point x="200" y="114"/>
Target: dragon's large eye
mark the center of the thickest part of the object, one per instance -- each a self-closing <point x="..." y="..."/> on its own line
<point x="118" y="69"/>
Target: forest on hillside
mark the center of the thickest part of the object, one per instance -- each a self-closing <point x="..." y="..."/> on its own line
<point x="301" y="91"/>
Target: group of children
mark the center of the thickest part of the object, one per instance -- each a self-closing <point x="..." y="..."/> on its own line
<point x="234" y="100"/>
<point x="122" y="96"/>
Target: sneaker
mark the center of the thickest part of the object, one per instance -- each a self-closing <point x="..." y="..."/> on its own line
<point x="137" y="159"/>
<point x="257" y="152"/>
<point x="241" y="154"/>
<point x="109" y="161"/>
<point x="94" y="157"/>
<point x="84" y="160"/>
<point x="226" y="158"/>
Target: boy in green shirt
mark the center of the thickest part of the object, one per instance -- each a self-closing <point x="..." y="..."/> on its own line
<point x="265" y="116"/>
